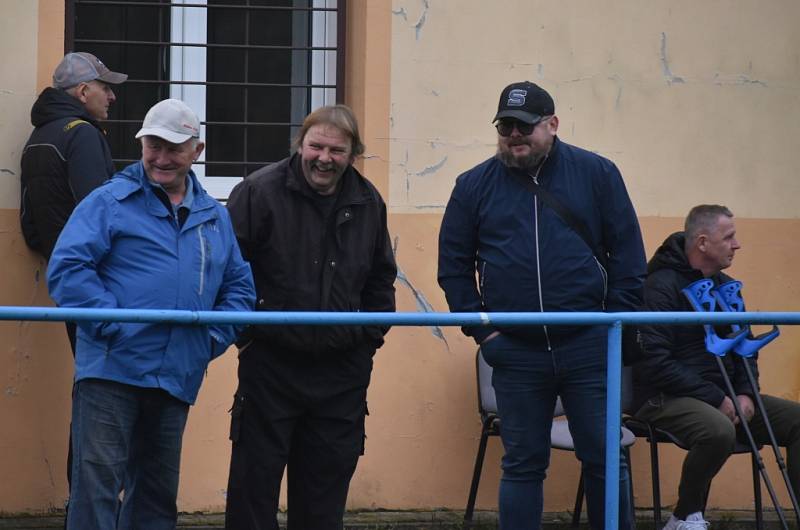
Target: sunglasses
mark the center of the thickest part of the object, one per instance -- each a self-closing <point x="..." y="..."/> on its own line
<point x="506" y="127"/>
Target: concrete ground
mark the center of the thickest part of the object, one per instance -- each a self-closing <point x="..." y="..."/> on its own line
<point x="418" y="520"/>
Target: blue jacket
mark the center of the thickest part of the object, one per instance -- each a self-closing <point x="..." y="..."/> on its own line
<point x="123" y="248"/>
<point x="526" y="258"/>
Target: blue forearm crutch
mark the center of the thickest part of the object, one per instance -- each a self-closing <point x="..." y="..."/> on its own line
<point x="703" y="300"/>
<point x="729" y="297"/>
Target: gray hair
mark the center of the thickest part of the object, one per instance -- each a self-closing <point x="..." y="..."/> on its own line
<point x="702" y="219"/>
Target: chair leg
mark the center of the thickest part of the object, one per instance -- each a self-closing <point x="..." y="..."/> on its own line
<point x="476" y="478"/>
<point x="656" y="482"/>
<point x="627" y="452"/>
<point x="757" y="494"/>
<point x="576" y="513"/>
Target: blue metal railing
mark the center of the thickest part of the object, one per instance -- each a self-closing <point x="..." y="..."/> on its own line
<point x="614" y="321"/>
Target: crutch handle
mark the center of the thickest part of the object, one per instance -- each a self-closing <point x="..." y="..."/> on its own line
<point x="702" y="300"/>
<point x="729" y="297"/>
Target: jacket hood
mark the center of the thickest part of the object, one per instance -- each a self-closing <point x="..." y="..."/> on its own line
<point x="53" y="104"/>
<point x="670" y="255"/>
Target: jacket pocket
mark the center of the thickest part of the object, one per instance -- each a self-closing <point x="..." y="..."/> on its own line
<point x="482" y="282"/>
<point x="604" y="278"/>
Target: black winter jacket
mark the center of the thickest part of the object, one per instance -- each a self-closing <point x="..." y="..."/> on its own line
<point x="526" y="257"/>
<point x="301" y="263"/>
<point x="66" y="157"/>
<point x="674" y="359"/>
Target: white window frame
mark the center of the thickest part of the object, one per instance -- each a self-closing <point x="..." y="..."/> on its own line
<point x="188" y="63"/>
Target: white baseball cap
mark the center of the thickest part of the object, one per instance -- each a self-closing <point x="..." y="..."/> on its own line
<point x="172" y="120"/>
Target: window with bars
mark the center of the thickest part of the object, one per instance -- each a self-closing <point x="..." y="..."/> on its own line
<point x="250" y="69"/>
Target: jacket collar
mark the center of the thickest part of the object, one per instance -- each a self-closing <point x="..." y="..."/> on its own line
<point x="54" y="103"/>
<point x="136" y="178"/>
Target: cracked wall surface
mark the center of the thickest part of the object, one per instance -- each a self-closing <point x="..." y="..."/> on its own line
<point x="673" y="92"/>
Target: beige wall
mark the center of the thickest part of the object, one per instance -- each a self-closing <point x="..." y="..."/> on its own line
<point x="695" y="103"/>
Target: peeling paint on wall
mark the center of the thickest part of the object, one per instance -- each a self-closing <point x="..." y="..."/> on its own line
<point x="419" y="298"/>
<point x="422" y="18"/>
<point x="401" y="12"/>
<point x="432" y="169"/>
<point x="740" y="79"/>
<point x="670" y="77"/>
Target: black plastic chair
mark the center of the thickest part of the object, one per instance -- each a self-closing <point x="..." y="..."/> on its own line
<point x="560" y="437"/>
<point x="655" y="436"/>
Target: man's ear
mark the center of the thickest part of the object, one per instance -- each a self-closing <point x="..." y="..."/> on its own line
<point x="552" y="124"/>
<point x="702" y="239"/>
<point x="80" y="92"/>
<point x="198" y="150"/>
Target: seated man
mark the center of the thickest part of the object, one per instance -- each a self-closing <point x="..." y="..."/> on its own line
<point x="678" y="385"/>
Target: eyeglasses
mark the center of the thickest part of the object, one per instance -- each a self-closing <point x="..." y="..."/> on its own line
<point x="506" y="127"/>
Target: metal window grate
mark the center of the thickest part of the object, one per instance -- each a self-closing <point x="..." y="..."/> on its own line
<point x="251" y="69"/>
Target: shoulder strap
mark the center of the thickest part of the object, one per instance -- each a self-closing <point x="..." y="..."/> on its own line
<point x="74" y="123"/>
<point x="562" y="211"/>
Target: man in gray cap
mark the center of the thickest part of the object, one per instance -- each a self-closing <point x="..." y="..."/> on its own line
<point x="67" y="155"/>
<point x="545" y="227"/>
<point x="150" y="238"/>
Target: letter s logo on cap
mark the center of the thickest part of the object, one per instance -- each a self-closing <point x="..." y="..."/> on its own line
<point x="516" y="97"/>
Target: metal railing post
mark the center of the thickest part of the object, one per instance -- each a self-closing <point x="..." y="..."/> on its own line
<point x="613" y="415"/>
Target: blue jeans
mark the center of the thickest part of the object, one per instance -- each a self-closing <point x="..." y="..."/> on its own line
<point x="122" y="432"/>
<point x="527" y="381"/>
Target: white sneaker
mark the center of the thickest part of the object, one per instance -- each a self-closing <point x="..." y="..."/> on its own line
<point x="672" y="524"/>
<point x="693" y="521"/>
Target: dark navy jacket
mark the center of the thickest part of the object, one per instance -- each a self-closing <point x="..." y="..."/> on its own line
<point x="526" y="257"/>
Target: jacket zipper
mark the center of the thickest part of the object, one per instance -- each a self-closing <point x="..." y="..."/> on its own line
<point x="604" y="275"/>
<point x="483" y="278"/>
<point x="202" y="258"/>
<point x="535" y="178"/>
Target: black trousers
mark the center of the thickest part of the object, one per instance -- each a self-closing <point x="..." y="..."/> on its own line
<point x="300" y="413"/>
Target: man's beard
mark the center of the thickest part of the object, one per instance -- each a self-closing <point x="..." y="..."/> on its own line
<point x="528" y="162"/>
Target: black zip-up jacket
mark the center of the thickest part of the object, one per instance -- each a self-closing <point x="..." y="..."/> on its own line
<point x="301" y="263"/>
<point x="674" y="359"/>
<point x="66" y="157"/>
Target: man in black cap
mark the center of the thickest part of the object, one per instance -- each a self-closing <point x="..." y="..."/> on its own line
<point x="67" y="155"/>
<point x="546" y="227"/>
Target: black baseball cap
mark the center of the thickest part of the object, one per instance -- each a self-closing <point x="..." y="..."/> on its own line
<point x="525" y="101"/>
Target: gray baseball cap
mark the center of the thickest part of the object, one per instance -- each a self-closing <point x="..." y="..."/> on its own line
<point x="82" y="67"/>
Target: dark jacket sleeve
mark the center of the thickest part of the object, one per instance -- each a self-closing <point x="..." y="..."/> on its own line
<point x="378" y="292"/>
<point x="659" y="366"/>
<point x="236" y="293"/>
<point x="458" y="250"/>
<point x="622" y="240"/>
<point x="87" y="164"/>
<point x="239" y="209"/>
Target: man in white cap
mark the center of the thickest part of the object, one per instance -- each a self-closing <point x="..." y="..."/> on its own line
<point x="150" y="238"/>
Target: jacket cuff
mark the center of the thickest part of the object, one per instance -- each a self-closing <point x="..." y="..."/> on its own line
<point x="218" y="345"/>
